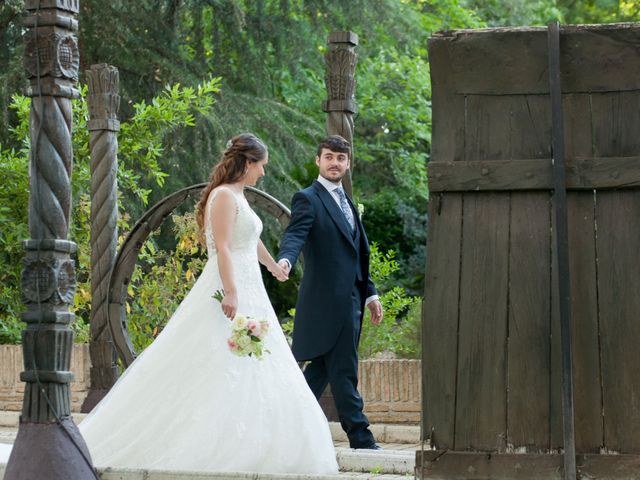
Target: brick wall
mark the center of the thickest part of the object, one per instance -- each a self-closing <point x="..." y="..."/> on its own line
<point x="390" y="388"/>
<point x="12" y="389"/>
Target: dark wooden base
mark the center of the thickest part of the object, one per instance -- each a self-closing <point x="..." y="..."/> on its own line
<point x="46" y="451"/>
<point x="449" y="465"/>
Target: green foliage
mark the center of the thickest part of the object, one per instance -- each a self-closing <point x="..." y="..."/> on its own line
<point x="516" y="12"/>
<point x="399" y="332"/>
<point x="12" y="72"/>
<point x="161" y="280"/>
<point x="141" y="141"/>
<point x="541" y="12"/>
<point x="396" y="118"/>
<point x="13" y="229"/>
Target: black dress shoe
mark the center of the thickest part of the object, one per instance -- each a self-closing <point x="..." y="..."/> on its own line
<point x="374" y="446"/>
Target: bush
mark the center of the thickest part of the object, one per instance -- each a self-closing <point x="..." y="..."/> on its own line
<point x="399" y="332"/>
<point x="161" y="280"/>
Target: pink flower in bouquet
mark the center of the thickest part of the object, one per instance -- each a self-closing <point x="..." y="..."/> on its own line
<point x="255" y="328"/>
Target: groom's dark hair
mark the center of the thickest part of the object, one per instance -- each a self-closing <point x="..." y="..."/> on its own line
<point x="335" y="143"/>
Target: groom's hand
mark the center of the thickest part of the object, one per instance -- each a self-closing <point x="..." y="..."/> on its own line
<point x="285" y="265"/>
<point x="375" y="308"/>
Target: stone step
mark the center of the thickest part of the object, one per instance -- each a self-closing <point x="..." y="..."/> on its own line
<point x="8" y="436"/>
<point x="384" y="461"/>
<point x="126" y="474"/>
<point x="384" y="433"/>
<point x="395" y="460"/>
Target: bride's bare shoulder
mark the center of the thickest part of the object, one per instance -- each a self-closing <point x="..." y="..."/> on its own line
<point x="222" y="192"/>
<point x="222" y="198"/>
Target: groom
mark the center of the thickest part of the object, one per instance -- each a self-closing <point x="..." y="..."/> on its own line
<point x="335" y="287"/>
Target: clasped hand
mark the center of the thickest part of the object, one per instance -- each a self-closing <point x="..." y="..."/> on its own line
<point x="279" y="271"/>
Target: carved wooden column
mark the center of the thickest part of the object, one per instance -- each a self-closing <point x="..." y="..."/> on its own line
<point x="49" y="444"/>
<point x="340" y="62"/>
<point x="340" y="80"/>
<point x="104" y="103"/>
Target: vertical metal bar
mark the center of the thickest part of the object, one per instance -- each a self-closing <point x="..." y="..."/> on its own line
<point x="562" y="248"/>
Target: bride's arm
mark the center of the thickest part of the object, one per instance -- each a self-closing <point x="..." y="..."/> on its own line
<point x="267" y="260"/>
<point x="222" y="217"/>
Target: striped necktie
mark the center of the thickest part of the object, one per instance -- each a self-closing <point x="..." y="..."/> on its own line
<point x="344" y="206"/>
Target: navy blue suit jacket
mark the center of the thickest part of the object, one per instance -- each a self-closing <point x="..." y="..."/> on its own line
<point x="332" y="259"/>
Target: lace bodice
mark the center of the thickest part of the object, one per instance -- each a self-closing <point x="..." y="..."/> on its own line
<point x="246" y="230"/>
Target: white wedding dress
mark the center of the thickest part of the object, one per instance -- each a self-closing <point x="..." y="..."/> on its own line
<point x="188" y="403"/>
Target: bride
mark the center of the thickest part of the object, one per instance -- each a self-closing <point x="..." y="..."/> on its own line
<point x="188" y="402"/>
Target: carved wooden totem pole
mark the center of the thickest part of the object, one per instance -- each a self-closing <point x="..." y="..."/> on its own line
<point x="340" y="80"/>
<point x="49" y="444"/>
<point x="104" y="103"/>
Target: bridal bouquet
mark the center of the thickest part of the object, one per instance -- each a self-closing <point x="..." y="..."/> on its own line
<point x="247" y="334"/>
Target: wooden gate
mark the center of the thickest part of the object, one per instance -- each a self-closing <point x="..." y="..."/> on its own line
<point x="491" y="361"/>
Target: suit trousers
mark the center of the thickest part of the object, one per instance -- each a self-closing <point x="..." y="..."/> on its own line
<point x="339" y="368"/>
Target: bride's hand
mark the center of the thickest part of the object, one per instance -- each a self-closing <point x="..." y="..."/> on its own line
<point x="279" y="272"/>
<point x="229" y="304"/>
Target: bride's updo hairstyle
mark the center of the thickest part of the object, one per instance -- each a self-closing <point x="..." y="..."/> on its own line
<point x="231" y="168"/>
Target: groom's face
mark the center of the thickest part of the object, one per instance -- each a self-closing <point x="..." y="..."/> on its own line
<point x="333" y="165"/>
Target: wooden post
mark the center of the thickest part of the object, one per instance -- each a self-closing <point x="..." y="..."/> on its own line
<point x="340" y="105"/>
<point x="49" y="444"/>
<point x="340" y="61"/>
<point x="104" y="102"/>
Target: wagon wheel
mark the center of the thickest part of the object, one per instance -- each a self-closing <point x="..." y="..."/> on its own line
<point x="127" y="256"/>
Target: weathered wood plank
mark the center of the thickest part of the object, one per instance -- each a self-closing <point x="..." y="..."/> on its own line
<point x="479" y="466"/>
<point x="440" y="319"/>
<point x="533" y="174"/>
<point x="609" y="467"/>
<point x="529" y="259"/>
<point x="528" y="348"/>
<point x="440" y="465"/>
<point x="530" y="126"/>
<point x="584" y="322"/>
<point x="594" y="58"/>
<point x="577" y="126"/>
<point x="582" y="264"/>
<point x="618" y="242"/>
<point x="448" y="109"/>
<point x="481" y="387"/>
<point x="487" y="133"/>
<point x="616" y="119"/>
